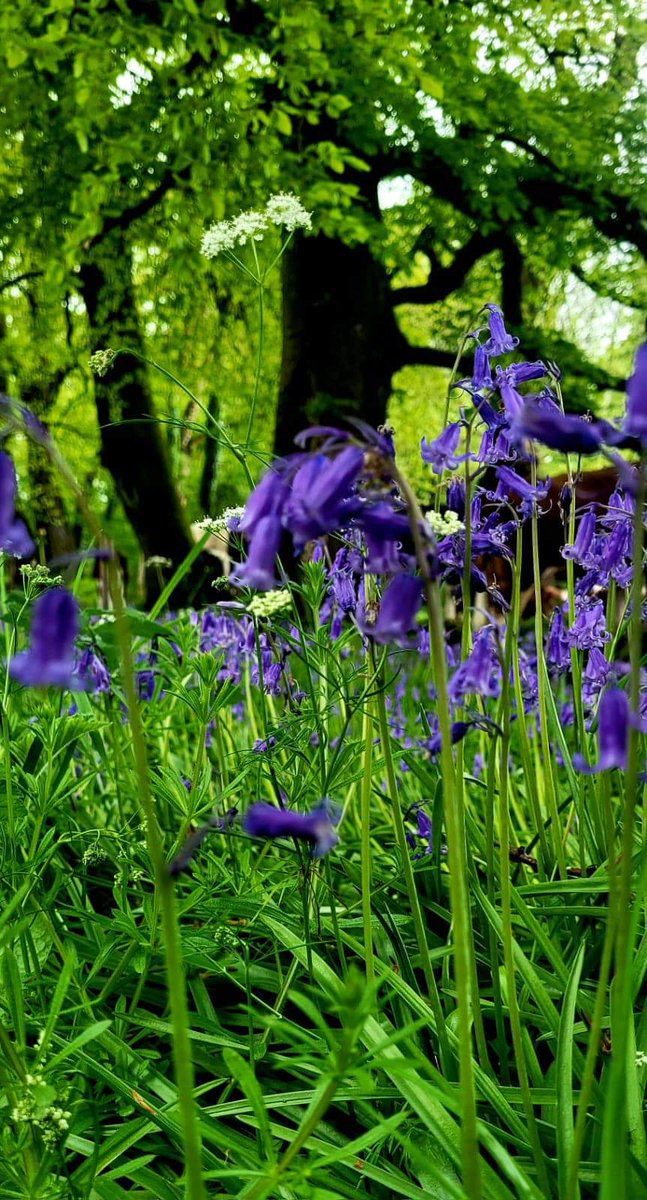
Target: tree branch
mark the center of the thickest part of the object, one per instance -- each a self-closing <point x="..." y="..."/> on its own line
<point x="445" y="280"/>
<point x="124" y="219"/>
<point x="603" y="289"/>
<point x="7" y="283"/>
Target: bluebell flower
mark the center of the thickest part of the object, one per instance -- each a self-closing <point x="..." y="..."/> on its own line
<point x="580" y="550"/>
<point x="499" y="341"/>
<point x="14" y="536"/>
<point x="635" y="422"/>
<point x="456" y="497"/>
<point x="320" y="490"/>
<point x="318" y="827"/>
<point x="399" y="605"/>
<point x="482" y="373"/>
<point x="595" y="676"/>
<point x="480" y="673"/>
<point x="557" y="430"/>
<point x="258" y="571"/>
<point x="613" y="734"/>
<point x="590" y="627"/>
<point x="519" y="491"/>
<point x="93" y="672"/>
<point x="558" y="654"/>
<point x="49" y="661"/>
<point x="424" y="833"/>
<point x="441" y="452"/>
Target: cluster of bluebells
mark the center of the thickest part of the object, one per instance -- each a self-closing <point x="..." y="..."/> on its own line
<point x="339" y="499"/>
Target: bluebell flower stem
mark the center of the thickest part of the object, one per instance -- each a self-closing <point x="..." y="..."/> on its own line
<point x="365" y="826"/>
<point x="617" y="1182"/>
<point x="464" y="966"/>
<point x="507" y="913"/>
<point x="164" y="891"/>
<point x="542" y="684"/>
<point x="259" y="352"/>
<point x="176" y="982"/>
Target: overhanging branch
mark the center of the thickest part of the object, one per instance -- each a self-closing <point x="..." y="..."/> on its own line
<point x="445" y="280"/>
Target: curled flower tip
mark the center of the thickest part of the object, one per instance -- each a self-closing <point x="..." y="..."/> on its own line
<point x="101" y="361"/>
<point x="613" y="734"/>
<point x="14" y="535"/>
<point x="318" y="827"/>
<point x="49" y="661"/>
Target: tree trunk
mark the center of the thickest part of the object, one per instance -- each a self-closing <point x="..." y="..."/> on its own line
<point x="341" y="342"/>
<point x="47" y="504"/>
<point x="132" y="447"/>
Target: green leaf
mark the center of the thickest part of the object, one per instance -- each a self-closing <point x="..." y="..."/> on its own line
<point x="245" y="1077"/>
<point x="565" y="1040"/>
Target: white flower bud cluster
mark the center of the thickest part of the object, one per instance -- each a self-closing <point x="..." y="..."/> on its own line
<point x="219" y="526"/>
<point x="52" y="1120"/>
<point x="641" y="1058"/>
<point x="102" y="361"/>
<point x="267" y="604"/>
<point x="282" y="210"/>
<point x="444" y="524"/>
<point x="40" y="576"/>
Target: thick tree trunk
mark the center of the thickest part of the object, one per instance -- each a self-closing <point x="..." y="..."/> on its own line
<point x="47" y="504"/>
<point x="341" y="342"/>
<point x="132" y="448"/>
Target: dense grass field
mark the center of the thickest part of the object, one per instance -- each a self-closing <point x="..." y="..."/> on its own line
<point x="331" y="889"/>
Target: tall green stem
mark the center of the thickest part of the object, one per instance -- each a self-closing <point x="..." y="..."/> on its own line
<point x="259" y="349"/>
<point x="616" y="1182"/>
<point x="464" y="965"/>
<point x="175" y="977"/>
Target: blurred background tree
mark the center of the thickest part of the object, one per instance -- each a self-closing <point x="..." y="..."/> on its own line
<point x="451" y="154"/>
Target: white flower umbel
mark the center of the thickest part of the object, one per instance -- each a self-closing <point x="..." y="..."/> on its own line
<point x="286" y="209"/>
<point x="220" y="526"/>
<point x="270" y="603"/>
<point x="444" y="524"/>
<point x="283" y="210"/>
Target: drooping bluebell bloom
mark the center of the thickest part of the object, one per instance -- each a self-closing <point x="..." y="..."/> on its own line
<point x="499" y="341"/>
<point x="441" y="452"/>
<point x="590" y="627"/>
<point x="595" y="675"/>
<point x="318" y="827"/>
<point x="14" y="536"/>
<point x="557" y="430"/>
<point x="519" y="491"/>
<point x="423" y="834"/>
<point x="508" y="380"/>
<point x="580" y="550"/>
<point x="93" y="672"/>
<point x="482" y="374"/>
<point x="558" y="654"/>
<point x="258" y="571"/>
<point x="613" y="734"/>
<point x="399" y="605"/>
<point x="456" y="497"/>
<point x="49" y="661"/>
<point x="268" y="499"/>
<point x="480" y="674"/>
<point x="635" y="422"/>
<point x="319" y="495"/>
